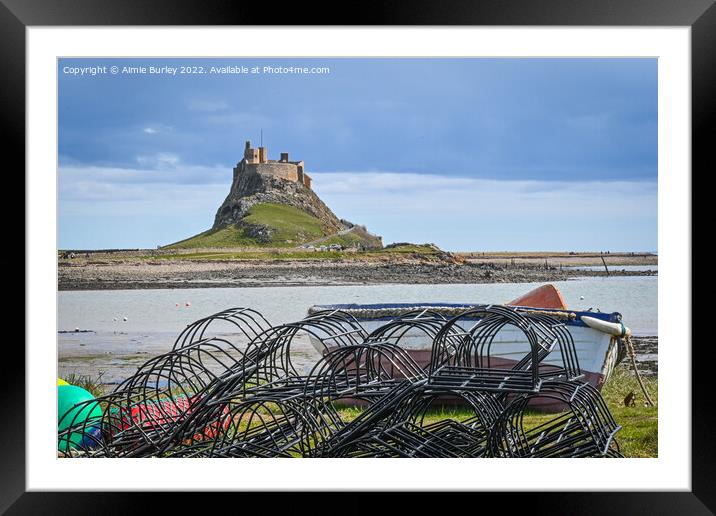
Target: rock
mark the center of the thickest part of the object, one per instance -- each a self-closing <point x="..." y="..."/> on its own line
<point x="251" y="187"/>
<point x="259" y="232"/>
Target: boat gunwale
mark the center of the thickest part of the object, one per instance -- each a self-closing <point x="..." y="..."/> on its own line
<point x="571" y="317"/>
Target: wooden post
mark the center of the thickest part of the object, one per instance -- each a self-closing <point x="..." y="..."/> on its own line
<point x="605" y="265"/>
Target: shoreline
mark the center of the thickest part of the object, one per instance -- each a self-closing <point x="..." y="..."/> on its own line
<point x="228" y="274"/>
<point x="116" y="365"/>
<point x="647" y="355"/>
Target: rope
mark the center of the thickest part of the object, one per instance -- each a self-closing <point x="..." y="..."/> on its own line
<point x="632" y="356"/>
<point x="375" y="313"/>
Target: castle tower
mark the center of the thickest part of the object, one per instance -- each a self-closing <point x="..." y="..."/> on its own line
<point x="256" y="161"/>
<point x="250" y="155"/>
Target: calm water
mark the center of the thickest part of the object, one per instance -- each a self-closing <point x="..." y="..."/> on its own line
<point x="155" y="317"/>
<point x="638" y="268"/>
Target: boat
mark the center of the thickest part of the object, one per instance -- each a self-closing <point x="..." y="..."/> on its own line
<point x="599" y="337"/>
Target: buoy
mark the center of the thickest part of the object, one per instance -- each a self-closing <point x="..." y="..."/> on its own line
<point x="114" y="319"/>
<point x="124" y="319"/>
<point x="77" y="329"/>
<point x="176" y="304"/>
<point x="75" y="410"/>
<point x="581" y="297"/>
<point x="163" y="412"/>
<point x="188" y="303"/>
<point x="616" y="329"/>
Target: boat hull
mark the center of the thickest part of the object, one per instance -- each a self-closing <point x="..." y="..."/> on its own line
<point x="597" y="352"/>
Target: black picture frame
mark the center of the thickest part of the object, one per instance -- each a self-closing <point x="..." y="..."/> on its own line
<point x="700" y="15"/>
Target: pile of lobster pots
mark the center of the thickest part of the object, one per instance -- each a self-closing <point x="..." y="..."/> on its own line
<point x="230" y="387"/>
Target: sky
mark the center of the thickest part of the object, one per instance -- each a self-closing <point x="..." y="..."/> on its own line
<point x="469" y="154"/>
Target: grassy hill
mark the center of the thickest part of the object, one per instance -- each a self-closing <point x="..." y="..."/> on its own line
<point x="356" y="236"/>
<point x="265" y="225"/>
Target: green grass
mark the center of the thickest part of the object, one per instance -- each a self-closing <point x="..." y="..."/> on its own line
<point x="357" y="237"/>
<point x="346" y="240"/>
<point x="289" y="225"/>
<point x="253" y="255"/>
<point x="405" y="248"/>
<point x="278" y="255"/>
<point x="638" y="436"/>
<point x="93" y="385"/>
<point x="230" y="236"/>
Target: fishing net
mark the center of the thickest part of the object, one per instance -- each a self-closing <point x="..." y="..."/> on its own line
<point x="231" y="387"/>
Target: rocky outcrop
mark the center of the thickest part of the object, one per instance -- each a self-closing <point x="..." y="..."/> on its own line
<point x="250" y="187"/>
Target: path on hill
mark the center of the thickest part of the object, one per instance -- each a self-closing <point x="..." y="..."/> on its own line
<point x="328" y="237"/>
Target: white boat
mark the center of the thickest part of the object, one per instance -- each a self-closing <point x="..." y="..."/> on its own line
<point x="598" y="336"/>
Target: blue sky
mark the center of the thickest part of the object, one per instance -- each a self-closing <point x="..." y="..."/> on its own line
<point x="471" y="154"/>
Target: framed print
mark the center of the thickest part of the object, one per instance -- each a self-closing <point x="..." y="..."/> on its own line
<point x="454" y="236"/>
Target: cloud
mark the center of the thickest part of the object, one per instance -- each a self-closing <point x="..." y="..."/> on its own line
<point x="466" y="213"/>
<point x="405" y="188"/>
<point x="110" y="184"/>
<point x="457" y="213"/>
<point x="160" y="160"/>
<point x="157" y="129"/>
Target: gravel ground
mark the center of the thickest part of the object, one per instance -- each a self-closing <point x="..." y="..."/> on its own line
<point x="198" y="274"/>
<point x="647" y="359"/>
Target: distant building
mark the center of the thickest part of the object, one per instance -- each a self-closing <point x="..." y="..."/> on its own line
<point x="257" y="160"/>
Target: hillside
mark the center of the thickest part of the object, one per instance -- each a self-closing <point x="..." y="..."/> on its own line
<point x="264" y="225"/>
<point x="355" y="236"/>
<point x="271" y="204"/>
<point x="251" y="187"/>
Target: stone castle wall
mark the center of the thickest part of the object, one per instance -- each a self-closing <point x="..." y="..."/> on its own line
<point x="287" y="171"/>
<point x="256" y="161"/>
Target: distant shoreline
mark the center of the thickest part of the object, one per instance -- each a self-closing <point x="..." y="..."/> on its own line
<point x="223" y="269"/>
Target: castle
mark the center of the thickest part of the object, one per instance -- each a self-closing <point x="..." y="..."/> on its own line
<point x="256" y="161"/>
<point x="262" y="181"/>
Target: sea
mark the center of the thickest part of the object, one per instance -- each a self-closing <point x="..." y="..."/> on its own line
<point x="113" y="332"/>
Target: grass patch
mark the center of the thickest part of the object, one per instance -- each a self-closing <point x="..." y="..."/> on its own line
<point x="639" y="434"/>
<point x="268" y="255"/>
<point x="357" y="237"/>
<point x="93" y="385"/>
<point x="407" y="248"/>
<point x="349" y="239"/>
<point x="230" y="236"/>
<point x="255" y="255"/>
<point x="287" y="225"/>
<point x="290" y="224"/>
<point x="637" y="438"/>
<point x="282" y="254"/>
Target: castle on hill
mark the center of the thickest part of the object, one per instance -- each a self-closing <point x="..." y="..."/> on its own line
<point x="257" y="161"/>
<point x="259" y="180"/>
